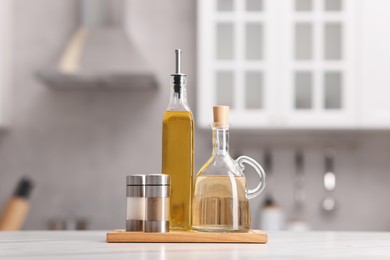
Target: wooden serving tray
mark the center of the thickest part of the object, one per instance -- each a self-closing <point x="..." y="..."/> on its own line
<point x="121" y="236"/>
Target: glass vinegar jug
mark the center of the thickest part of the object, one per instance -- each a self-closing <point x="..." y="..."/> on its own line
<point x="220" y="201"/>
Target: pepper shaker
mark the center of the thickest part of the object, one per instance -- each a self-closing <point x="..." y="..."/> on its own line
<point x="157" y="193"/>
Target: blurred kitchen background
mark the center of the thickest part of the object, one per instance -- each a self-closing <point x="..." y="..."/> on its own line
<point x="307" y="80"/>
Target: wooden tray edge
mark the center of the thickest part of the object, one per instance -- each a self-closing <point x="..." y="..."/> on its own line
<point x="252" y="237"/>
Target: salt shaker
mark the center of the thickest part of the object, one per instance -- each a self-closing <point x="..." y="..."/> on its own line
<point x="135" y="193"/>
<point x="157" y="193"/>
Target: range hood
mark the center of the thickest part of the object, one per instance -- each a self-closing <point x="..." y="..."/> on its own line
<point x="99" y="54"/>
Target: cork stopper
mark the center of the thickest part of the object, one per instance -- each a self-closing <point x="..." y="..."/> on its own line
<point x="221" y="114"/>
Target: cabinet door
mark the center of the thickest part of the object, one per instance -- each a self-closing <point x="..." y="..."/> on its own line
<point x="278" y="63"/>
<point x="234" y="61"/>
<point x="319" y="64"/>
<point x="374" y="71"/>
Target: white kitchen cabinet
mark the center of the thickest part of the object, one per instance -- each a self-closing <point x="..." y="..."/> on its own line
<point x="318" y="64"/>
<point x="287" y="64"/>
<point x="6" y="46"/>
<point x="374" y="69"/>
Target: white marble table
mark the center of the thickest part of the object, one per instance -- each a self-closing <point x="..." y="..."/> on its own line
<point x="282" y="245"/>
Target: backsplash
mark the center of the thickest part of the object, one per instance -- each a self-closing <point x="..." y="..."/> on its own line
<point x="362" y="177"/>
<point x="80" y="145"/>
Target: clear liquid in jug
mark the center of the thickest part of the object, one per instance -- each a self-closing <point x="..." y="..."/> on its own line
<point x="220" y="204"/>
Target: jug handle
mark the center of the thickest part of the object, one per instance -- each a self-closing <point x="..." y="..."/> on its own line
<point x="260" y="171"/>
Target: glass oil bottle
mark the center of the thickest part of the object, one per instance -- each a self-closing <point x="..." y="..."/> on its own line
<point x="178" y="150"/>
<point x="221" y="197"/>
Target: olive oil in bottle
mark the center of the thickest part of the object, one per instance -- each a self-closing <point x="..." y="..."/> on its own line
<point x="178" y="150"/>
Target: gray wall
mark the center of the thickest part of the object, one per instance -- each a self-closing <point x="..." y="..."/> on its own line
<point x="80" y="145"/>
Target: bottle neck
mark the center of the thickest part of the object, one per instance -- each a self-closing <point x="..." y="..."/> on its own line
<point x="220" y="140"/>
<point x="178" y="94"/>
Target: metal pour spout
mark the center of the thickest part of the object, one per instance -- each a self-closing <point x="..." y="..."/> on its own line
<point x="178" y="57"/>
